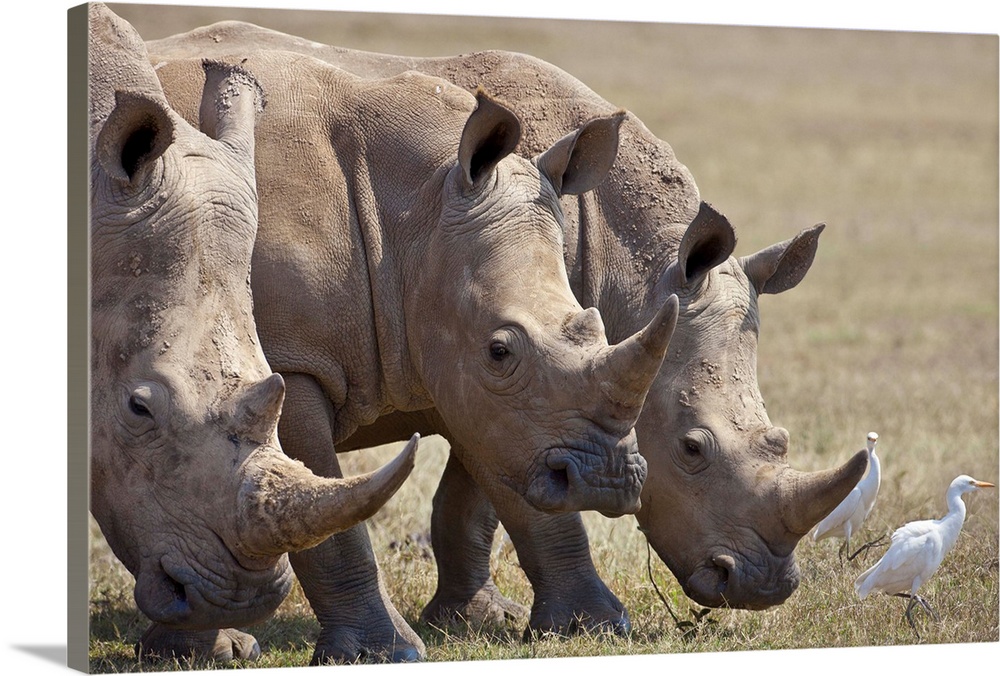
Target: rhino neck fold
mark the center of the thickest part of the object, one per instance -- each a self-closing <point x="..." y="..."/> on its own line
<point x="624" y="238"/>
<point x="355" y="224"/>
<point x="389" y="264"/>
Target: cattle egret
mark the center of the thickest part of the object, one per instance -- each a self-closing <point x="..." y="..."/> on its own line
<point x="505" y="545"/>
<point x="847" y="517"/>
<point x="917" y="550"/>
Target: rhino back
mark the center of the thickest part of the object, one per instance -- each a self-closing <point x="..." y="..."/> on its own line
<point x="353" y="156"/>
<point x="618" y="238"/>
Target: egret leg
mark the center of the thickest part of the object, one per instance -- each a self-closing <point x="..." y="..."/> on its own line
<point x="868" y="545"/>
<point x="914" y="600"/>
<point x="909" y="612"/>
<point x="923" y="602"/>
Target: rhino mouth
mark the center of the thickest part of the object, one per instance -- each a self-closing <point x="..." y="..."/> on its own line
<point x="589" y="476"/>
<point x="177" y="595"/>
<point x="728" y="579"/>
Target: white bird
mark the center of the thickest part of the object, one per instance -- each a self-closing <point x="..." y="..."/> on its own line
<point x="847" y="517"/>
<point x="917" y="550"/>
<point x="504" y="545"/>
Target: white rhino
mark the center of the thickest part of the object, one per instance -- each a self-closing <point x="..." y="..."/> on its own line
<point x="188" y="482"/>
<point x="720" y="504"/>
<point x="405" y="260"/>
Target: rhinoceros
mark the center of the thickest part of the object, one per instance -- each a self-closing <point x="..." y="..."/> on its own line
<point x="720" y="504"/>
<point x="188" y="482"/>
<point x="408" y="260"/>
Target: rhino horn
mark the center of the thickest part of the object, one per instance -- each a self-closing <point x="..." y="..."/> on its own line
<point x="806" y="498"/>
<point x="259" y="408"/>
<point x="230" y="102"/>
<point x="627" y="370"/>
<point x="284" y="507"/>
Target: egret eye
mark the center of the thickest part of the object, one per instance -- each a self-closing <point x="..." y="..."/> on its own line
<point x="139" y="407"/>
<point x="498" y="351"/>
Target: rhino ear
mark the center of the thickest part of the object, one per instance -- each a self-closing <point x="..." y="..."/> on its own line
<point x="137" y="132"/>
<point x="581" y="160"/>
<point x="782" y="266"/>
<point x="707" y="242"/>
<point x="491" y="134"/>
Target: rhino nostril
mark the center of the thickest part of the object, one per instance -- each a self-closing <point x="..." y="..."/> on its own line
<point x="559" y="480"/>
<point x="178" y="589"/>
<point x="179" y="592"/>
<point x="726" y="566"/>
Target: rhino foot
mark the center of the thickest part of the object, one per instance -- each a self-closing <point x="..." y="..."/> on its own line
<point x="487" y="609"/>
<point x="355" y="645"/>
<point x="559" y="620"/>
<point x="220" y="645"/>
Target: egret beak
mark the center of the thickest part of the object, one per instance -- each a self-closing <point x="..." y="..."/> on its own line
<point x="983" y="484"/>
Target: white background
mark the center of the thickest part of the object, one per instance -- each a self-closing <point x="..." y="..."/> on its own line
<point x="33" y="318"/>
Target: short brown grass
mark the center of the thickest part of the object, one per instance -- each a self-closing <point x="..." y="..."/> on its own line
<point x="889" y="138"/>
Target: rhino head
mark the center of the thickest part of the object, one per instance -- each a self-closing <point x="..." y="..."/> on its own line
<point x="721" y="506"/>
<point x="526" y="380"/>
<point x="188" y="482"/>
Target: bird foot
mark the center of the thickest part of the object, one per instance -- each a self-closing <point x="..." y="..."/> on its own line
<point x="926" y="606"/>
<point x="868" y="545"/>
<point x="914" y="600"/>
<point x="909" y="611"/>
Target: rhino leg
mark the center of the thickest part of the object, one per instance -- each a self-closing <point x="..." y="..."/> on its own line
<point x="340" y="576"/>
<point x="222" y="645"/>
<point x="554" y="552"/>
<point x="463" y="523"/>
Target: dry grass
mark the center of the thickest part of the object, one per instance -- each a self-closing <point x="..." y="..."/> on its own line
<point x="891" y="139"/>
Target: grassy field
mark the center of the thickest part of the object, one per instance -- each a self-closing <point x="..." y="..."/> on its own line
<point x="891" y="139"/>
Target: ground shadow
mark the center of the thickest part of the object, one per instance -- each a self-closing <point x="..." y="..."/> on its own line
<point x="50" y="653"/>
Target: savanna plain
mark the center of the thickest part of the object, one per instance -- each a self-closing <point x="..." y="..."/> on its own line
<point x="888" y="138"/>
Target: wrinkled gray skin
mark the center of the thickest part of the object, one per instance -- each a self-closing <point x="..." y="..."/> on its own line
<point x="720" y="504"/>
<point x="187" y="477"/>
<point x="396" y="206"/>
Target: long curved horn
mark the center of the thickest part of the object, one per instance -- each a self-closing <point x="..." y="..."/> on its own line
<point x="627" y="370"/>
<point x="806" y="498"/>
<point x="284" y="507"/>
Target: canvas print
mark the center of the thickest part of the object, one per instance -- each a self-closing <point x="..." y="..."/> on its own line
<point x="433" y="339"/>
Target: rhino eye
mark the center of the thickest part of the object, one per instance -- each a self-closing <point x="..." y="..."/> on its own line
<point x="139" y="407"/>
<point x="501" y="355"/>
<point x="141" y="401"/>
<point x="694" y="451"/>
<point x="498" y="351"/>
